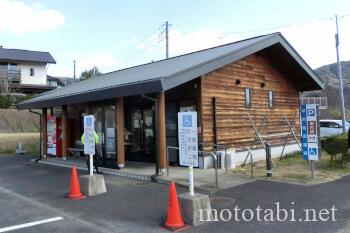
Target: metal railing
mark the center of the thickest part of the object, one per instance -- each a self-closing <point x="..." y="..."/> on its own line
<point x="12" y="74"/>
<point x="251" y="163"/>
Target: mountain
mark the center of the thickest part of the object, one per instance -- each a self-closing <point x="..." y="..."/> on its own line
<point x="328" y="73"/>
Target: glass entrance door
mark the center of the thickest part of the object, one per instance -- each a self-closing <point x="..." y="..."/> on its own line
<point x="141" y="135"/>
<point x="109" y="146"/>
<point x="105" y="128"/>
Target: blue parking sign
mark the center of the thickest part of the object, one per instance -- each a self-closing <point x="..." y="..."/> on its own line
<point x="309" y="132"/>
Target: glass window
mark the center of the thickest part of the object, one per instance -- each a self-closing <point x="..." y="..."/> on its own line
<point x="324" y="124"/>
<point x="32" y="73"/>
<point x="271" y="100"/>
<point x="334" y="125"/>
<point x="248" y="97"/>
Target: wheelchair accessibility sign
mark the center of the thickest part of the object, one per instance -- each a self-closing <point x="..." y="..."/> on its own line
<point x="309" y="132"/>
<point x="188" y="139"/>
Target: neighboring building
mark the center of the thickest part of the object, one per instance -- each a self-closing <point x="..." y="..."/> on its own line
<point x="260" y="76"/>
<point x="59" y="81"/>
<point x="24" y="71"/>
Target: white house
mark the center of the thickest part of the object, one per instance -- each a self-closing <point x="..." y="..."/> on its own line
<point x="24" y="70"/>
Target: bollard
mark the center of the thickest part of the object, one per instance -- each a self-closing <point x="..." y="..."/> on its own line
<point x="268" y="160"/>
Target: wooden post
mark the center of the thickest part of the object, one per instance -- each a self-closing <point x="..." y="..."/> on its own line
<point x="77" y="126"/>
<point x="87" y="109"/>
<point x="44" y="131"/>
<point x="64" y="132"/>
<point x="161" y="132"/>
<point x="119" y="108"/>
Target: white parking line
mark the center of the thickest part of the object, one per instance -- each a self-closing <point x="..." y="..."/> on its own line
<point x="30" y="224"/>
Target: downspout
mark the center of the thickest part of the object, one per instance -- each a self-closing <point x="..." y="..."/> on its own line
<point x="40" y="147"/>
<point x="156" y="133"/>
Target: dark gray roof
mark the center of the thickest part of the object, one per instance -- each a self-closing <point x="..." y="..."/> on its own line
<point x="25" y="55"/>
<point x="163" y="75"/>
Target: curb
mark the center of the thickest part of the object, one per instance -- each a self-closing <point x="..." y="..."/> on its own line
<point x="104" y="170"/>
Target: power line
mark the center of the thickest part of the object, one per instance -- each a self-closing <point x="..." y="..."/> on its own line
<point x="148" y="40"/>
<point x="148" y="49"/>
<point x="278" y="27"/>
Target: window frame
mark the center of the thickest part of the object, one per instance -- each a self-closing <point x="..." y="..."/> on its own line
<point x="248" y="97"/>
<point x="31" y="72"/>
<point x="271" y="101"/>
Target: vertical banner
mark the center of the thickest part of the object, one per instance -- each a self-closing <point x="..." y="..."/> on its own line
<point x="89" y="129"/>
<point x="188" y="139"/>
<point x="310" y="131"/>
<point x="51" y="135"/>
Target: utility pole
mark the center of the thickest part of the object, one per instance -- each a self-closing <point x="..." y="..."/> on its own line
<point x="339" y="74"/>
<point x="74" y="71"/>
<point x="166" y="40"/>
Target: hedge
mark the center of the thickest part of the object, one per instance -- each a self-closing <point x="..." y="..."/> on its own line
<point x="337" y="145"/>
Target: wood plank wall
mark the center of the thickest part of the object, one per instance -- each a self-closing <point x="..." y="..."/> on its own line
<point x="233" y="126"/>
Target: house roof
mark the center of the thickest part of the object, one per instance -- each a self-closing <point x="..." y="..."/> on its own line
<point x="165" y="74"/>
<point x="25" y="55"/>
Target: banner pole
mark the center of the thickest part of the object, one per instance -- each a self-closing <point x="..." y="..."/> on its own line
<point x="190" y="180"/>
<point x="91" y="165"/>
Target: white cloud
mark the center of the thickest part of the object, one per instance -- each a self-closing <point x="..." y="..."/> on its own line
<point x="103" y="61"/>
<point x="18" y="17"/>
<point x="315" y="42"/>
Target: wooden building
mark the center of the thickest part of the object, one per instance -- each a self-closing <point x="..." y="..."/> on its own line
<point x="136" y="108"/>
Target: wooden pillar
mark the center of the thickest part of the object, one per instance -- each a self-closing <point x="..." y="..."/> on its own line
<point x="119" y="108"/>
<point x="161" y="132"/>
<point x="64" y="132"/>
<point x="87" y="109"/>
<point x="77" y="126"/>
<point x="44" y="131"/>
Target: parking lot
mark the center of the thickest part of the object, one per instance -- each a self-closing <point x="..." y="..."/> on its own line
<point x="32" y="199"/>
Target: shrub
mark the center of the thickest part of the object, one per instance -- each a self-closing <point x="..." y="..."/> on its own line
<point x="337" y="145"/>
<point x="5" y="101"/>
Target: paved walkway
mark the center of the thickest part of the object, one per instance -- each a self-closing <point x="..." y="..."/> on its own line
<point x="204" y="179"/>
<point x="31" y="192"/>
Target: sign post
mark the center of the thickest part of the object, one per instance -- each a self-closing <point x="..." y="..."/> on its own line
<point x="188" y="143"/>
<point x="89" y="144"/>
<point x="310" y="134"/>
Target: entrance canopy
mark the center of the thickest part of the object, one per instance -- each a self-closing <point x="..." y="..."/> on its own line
<point x="166" y="74"/>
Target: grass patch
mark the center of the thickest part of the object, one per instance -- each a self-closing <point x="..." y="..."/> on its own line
<point x="8" y="142"/>
<point x="293" y="168"/>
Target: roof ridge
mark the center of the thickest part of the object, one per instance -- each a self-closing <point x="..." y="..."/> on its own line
<point x="185" y="54"/>
<point x="27" y="50"/>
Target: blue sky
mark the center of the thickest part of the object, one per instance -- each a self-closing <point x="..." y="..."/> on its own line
<point x="117" y="34"/>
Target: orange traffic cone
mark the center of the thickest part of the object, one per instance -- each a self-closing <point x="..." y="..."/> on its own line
<point x="75" y="192"/>
<point x="174" y="219"/>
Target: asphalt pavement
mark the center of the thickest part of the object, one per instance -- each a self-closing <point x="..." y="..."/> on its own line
<point x="32" y="192"/>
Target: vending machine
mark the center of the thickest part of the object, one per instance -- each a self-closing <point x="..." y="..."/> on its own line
<point x="54" y="139"/>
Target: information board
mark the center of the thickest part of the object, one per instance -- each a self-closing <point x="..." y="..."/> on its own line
<point x="51" y="135"/>
<point x="89" y="129"/>
<point x="309" y="131"/>
<point x="188" y="139"/>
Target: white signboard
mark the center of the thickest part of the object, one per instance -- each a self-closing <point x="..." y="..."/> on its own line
<point x="309" y="129"/>
<point x="188" y="139"/>
<point x="89" y="129"/>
